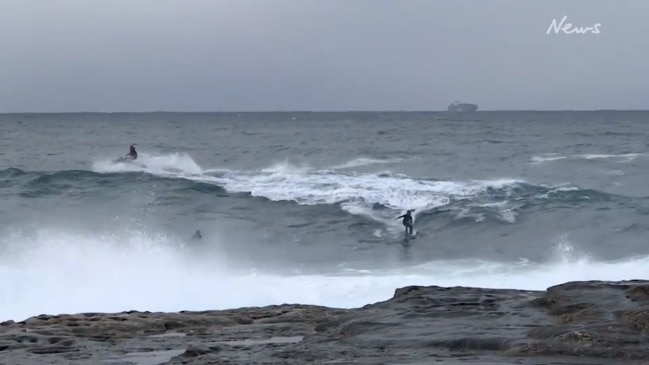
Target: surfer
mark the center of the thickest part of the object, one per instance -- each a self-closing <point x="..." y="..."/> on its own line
<point x="197" y="235"/>
<point x="407" y="221"/>
<point x="132" y="154"/>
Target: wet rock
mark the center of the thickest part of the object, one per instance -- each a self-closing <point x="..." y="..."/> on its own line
<point x="637" y="319"/>
<point x="194" y="351"/>
<point x="572" y="323"/>
<point x="50" y="350"/>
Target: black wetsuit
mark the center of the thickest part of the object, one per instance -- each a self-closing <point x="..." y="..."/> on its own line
<point x="407" y="222"/>
<point x="132" y="154"/>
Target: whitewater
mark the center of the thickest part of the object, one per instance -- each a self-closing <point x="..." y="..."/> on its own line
<point x="310" y="220"/>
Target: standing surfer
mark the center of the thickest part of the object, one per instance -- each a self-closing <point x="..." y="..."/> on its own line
<point x="407" y="221"/>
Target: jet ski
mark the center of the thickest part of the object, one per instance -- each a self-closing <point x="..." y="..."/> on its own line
<point x="125" y="159"/>
<point x="130" y="156"/>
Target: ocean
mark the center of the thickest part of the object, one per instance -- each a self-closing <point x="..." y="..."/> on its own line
<point x="300" y="207"/>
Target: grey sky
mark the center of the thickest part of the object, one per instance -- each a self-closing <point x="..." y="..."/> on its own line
<point x="221" y="55"/>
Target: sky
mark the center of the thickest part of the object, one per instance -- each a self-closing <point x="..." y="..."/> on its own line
<point x="320" y="55"/>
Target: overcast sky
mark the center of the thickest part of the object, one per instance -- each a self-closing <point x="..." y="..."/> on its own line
<point x="251" y="55"/>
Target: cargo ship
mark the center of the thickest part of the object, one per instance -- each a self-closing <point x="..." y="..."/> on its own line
<point x="462" y="107"/>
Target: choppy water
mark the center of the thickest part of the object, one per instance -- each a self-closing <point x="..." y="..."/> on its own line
<point x="300" y="207"/>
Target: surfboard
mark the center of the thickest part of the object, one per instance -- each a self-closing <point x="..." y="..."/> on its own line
<point x="125" y="159"/>
<point x="408" y="237"/>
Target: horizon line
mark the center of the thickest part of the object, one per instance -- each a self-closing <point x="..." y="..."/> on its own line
<point x="326" y="111"/>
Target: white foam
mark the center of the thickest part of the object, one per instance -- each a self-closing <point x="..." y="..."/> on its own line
<point x="598" y="156"/>
<point x="357" y="193"/>
<point x="172" y="165"/>
<point x="625" y="157"/>
<point x="396" y="192"/>
<point x="304" y="185"/>
<point x="56" y="272"/>
<point x="286" y="168"/>
<point x="363" y="161"/>
<point x="547" y="158"/>
<point x="556" y="189"/>
<point x="505" y="211"/>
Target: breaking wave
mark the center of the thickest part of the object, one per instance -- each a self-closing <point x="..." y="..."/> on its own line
<point x="61" y="268"/>
<point x="54" y="270"/>
<point x="377" y="196"/>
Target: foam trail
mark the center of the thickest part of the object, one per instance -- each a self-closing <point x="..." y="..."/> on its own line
<point x="168" y="165"/>
<point x="363" y="161"/>
<point x="60" y="272"/>
<point x="625" y="157"/>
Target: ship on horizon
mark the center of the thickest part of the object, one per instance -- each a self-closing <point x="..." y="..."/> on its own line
<point x="456" y="106"/>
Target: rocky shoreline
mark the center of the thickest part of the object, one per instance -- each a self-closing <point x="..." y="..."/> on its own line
<point x="573" y="323"/>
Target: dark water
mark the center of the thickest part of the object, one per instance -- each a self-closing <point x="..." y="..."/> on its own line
<point x="509" y="199"/>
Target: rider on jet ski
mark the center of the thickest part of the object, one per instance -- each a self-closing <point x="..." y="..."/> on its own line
<point x="132" y="154"/>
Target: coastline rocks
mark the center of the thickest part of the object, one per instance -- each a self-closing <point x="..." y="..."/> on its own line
<point x="572" y="323"/>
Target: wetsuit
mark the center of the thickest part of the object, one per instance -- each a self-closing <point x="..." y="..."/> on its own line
<point x="132" y="154"/>
<point x="407" y="222"/>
